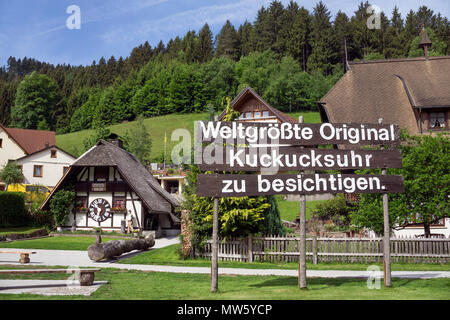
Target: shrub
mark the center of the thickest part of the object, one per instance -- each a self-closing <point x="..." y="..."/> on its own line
<point x="41" y="218"/>
<point x="60" y="205"/>
<point x="12" y="210"/>
<point x="337" y="210"/>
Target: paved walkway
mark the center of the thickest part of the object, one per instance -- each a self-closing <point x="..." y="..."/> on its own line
<point x="72" y="258"/>
<point x="48" y="287"/>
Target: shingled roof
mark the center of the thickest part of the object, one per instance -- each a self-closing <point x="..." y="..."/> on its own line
<point x="31" y="141"/>
<point x="104" y="153"/>
<point x="388" y="89"/>
<point x="249" y="92"/>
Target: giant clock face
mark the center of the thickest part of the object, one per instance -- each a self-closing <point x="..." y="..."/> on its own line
<point x="100" y="210"/>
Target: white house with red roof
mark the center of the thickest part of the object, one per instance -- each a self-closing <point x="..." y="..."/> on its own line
<point x="41" y="161"/>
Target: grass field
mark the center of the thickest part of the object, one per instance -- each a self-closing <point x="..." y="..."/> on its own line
<point x="125" y="285"/>
<point x="54" y="243"/>
<point x="157" y="127"/>
<point x="169" y="256"/>
<point x="289" y="210"/>
<point x="20" y="230"/>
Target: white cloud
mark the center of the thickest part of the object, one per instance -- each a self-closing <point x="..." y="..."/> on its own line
<point x="192" y="19"/>
<point x="95" y="14"/>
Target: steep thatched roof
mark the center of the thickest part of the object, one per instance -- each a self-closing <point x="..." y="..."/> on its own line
<point x="104" y="153"/>
<point x="388" y="89"/>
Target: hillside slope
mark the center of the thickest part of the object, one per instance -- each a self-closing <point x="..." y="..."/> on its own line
<point x="157" y="126"/>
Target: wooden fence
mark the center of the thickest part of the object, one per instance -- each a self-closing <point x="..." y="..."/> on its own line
<point x="345" y="250"/>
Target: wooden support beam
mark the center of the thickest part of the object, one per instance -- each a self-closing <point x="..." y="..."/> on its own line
<point x="214" y="254"/>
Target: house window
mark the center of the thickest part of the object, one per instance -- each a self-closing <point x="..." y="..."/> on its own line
<point x="265" y="114"/>
<point x="37" y="171"/>
<point x="101" y="173"/>
<point x="65" y="170"/>
<point x="53" y="153"/>
<point x="81" y="203"/>
<point x="119" y="202"/>
<point x="248" y="114"/>
<point x="437" y="120"/>
<point x="257" y="114"/>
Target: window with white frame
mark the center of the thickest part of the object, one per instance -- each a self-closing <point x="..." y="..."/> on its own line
<point x="437" y="120"/>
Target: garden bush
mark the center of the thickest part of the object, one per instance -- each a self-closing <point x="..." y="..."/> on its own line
<point x="13" y="212"/>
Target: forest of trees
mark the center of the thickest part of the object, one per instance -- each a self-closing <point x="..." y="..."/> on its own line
<point x="290" y="55"/>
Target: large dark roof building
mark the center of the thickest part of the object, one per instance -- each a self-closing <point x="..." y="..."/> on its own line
<point x="413" y="93"/>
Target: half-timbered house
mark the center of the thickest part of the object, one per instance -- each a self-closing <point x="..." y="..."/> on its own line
<point x="253" y="108"/>
<point x="110" y="184"/>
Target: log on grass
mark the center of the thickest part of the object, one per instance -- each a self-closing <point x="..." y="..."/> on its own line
<point x="115" y="248"/>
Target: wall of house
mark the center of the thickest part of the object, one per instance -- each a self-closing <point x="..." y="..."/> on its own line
<point x="9" y="149"/>
<point x="84" y="221"/>
<point x="416" y="231"/>
<point x="52" y="168"/>
<point x="251" y="105"/>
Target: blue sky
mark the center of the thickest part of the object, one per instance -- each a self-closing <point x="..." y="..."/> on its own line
<point x="37" y="28"/>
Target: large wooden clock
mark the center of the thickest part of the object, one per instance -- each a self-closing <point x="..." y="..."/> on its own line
<point x="100" y="210"/>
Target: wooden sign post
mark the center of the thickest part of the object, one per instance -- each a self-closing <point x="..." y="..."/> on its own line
<point x="386" y="236"/>
<point x="302" y="255"/>
<point x="236" y="146"/>
<point x="215" y="247"/>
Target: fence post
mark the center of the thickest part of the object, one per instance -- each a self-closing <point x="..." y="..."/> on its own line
<point x="214" y="249"/>
<point x="250" y="248"/>
<point x="302" y="256"/>
<point x="314" y="249"/>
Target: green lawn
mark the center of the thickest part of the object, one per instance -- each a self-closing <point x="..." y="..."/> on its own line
<point x="54" y="243"/>
<point x="124" y="285"/>
<point x="157" y="126"/>
<point x="169" y="256"/>
<point x="289" y="210"/>
<point x="21" y="230"/>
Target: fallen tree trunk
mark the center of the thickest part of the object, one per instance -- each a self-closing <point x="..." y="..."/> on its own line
<point x="115" y="248"/>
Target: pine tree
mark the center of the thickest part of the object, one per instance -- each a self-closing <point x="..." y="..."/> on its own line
<point x="246" y="39"/>
<point x="397" y="45"/>
<point x="342" y="35"/>
<point x="363" y="37"/>
<point x="204" y="49"/>
<point x="323" y="55"/>
<point x="227" y="41"/>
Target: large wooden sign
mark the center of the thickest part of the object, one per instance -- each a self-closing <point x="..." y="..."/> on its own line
<point x="272" y="147"/>
<point x="237" y="146"/>
<point x="297" y="133"/>
<point x="238" y="185"/>
<point x="228" y="158"/>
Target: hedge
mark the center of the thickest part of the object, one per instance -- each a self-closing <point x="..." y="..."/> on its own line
<point x="13" y="212"/>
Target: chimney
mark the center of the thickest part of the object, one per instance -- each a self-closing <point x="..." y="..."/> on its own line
<point x="115" y="140"/>
<point x="425" y="42"/>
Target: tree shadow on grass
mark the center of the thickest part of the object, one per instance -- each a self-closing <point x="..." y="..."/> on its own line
<point x="313" y="283"/>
